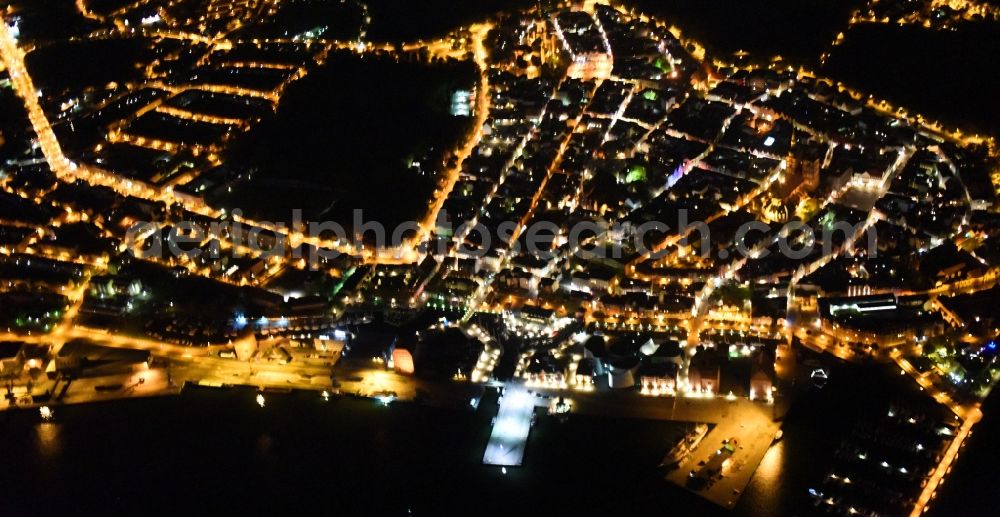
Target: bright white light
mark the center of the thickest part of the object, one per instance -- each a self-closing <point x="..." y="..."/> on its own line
<point x="461" y="101"/>
<point x="510" y="432"/>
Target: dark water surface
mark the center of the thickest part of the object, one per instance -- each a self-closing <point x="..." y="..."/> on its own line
<point x="216" y="452"/>
<point x="970" y="489"/>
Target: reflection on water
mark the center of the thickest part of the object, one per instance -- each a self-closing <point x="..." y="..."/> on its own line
<point x="766" y="493"/>
<point x="264" y="443"/>
<point x="138" y="449"/>
<point x="49" y="444"/>
<point x="768" y="473"/>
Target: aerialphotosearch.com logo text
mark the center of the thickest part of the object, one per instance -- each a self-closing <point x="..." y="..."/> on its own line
<point x="545" y="240"/>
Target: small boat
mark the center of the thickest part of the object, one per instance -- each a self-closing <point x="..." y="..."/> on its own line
<point x="819" y="377"/>
<point x="683" y="449"/>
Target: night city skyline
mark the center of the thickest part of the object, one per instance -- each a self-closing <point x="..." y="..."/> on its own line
<point x="376" y="257"/>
